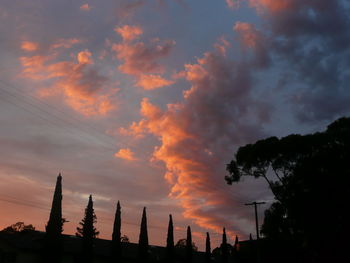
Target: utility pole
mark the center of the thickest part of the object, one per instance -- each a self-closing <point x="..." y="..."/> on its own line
<point x="256" y="216"/>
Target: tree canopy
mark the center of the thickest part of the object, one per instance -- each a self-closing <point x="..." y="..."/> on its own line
<point x="18" y="227"/>
<point x="308" y="176"/>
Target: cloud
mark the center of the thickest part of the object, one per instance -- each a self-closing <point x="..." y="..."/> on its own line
<point x="251" y="38"/>
<point x="197" y="137"/>
<point x="309" y="39"/>
<point x="84" y="89"/>
<point x="271" y="5"/>
<point x="127" y="8"/>
<point x="141" y="60"/>
<point x="151" y="82"/>
<point x="85" y="7"/>
<point x="222" y="45"/>
<point x="129" y="33"/>
<point x="232" y="3"/>
<point x="29" y="46"/>
<point x="65" y="43"/>
<point x="84" y="57"/>
<point x="125" y="154"/>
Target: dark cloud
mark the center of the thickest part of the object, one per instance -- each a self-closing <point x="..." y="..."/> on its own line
<point x="311" y="39"/>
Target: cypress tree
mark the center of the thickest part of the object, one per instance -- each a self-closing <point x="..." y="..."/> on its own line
<point x="236" y="243"/>
<point x="224" y="252"/>
<point x="54" y="228"/>
<point x="235" y="250"/>
<point x="116" y="236"/>
<point x="88" y="232"/>
<point x="189" y="248"/>
<point x="207" y="249"/>
<point x="143" y="238"/>
<point x="170" y="240"/>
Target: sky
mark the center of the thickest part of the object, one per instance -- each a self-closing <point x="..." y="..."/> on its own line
<point x="146" y="101"/>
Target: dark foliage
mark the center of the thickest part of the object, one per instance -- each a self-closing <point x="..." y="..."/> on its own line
<point x="18" y="227"/>
<point x="207" y="249"/>
<point x="224" y="247"/>
<point x="170" y="241"/>
<point x="54" y="227"/>
<point x="88" y="232"/>
<point x="143" y="239"/>
<point x="116" y="236"/>
<point x="189" y="247"/>
<point x="308" y="175"/>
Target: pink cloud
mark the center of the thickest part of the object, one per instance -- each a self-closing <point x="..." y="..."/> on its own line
<point x="139" y="59"/>
<point x="151" y="82"/>
<point x="222" y="45"/>
<point x="271" y="5"/>
<point x="85" y="7"/>
<point x="249" y="36"/>
<point x="232" y="3"/>
<point x="129" y="33"/>
<point x="125" y="154"/>
<point x="65" y="43"/>
<point x="82" y="86"/>
<point x="196" y="136"/>
<point x="84" y="57"/>
<point x="29" y="46"/>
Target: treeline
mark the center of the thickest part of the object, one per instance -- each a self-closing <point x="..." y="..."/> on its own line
<point x="53" y="248"/>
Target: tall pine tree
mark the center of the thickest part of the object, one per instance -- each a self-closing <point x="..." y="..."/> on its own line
<point x="53" y="237"/>
<point x="170" y="241"/>
<point x="189" y="247"/>
<point x="207" y="249"/>
<point x="143" y="239"/>
<point x="88" y="232"/>
<point x="116" y="236"/>
<point x="224" y="250"/>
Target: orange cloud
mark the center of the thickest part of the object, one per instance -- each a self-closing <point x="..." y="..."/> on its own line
<point x="84" y="57"/>
<point x="125" y="154"/>
<point x="65" y="43"/>
<point x="85" y="7"/>
<point x="222" y="45"/>
<point x="129" y="33"/>
<point x="151" y="82"/>
<point x="196" y="136"/>
<point x="29" y="46"/>
<point x="271" y="5"/>
<point x="34" y="67"/>
<point x="139" y="59"/>
<point x="82" y="86"/>
<point x="232" y="3"/>
<point x="249" y="36"/>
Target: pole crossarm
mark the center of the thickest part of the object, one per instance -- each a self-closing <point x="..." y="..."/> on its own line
<point x="255" y="204"/>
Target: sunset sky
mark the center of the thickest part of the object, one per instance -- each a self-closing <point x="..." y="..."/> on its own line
<point x="146" y="101"/>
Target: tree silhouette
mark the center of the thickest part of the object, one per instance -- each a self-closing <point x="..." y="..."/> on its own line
<point x="54" y="228"/>
<point x="143" y="239"/>
<point x="116" y="236"/>
<point x="189" y="247"/>
<point x="18" y="227"/>
<point x="310" y="174"/>
<point x="181" y="243"/>
<point x="224" y="251"/>
<point x="207" y="249"/>
<point x="235" y="250"/>
<point x="124" y="239"/>
<point x="170" y="241"/>
<point x="88" y="232"/>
